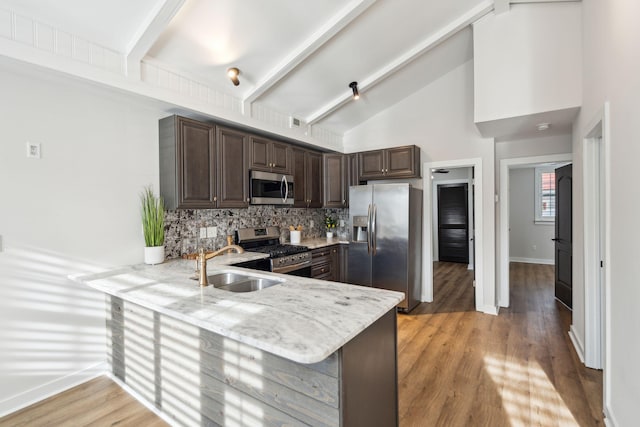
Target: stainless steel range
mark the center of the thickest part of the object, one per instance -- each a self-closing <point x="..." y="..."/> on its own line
<point x="288" y="259"/>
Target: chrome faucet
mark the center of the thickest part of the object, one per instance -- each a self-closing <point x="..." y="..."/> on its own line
<point x="202" y="260"/>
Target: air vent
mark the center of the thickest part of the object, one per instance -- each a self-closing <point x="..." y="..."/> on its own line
<point x="294" y="122"/>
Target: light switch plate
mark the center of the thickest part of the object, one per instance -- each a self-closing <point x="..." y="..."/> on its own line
<point x="311" y="224"/>
<point x="212" y="231"/>
<point x="33" y="150"/>
<point x="203" y="232"/>
<point x="342" y="223"/>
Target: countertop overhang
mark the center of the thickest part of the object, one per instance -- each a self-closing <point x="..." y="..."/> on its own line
<point x="304" y="320"/>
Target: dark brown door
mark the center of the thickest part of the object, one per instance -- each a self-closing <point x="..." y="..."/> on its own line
<point x="299" y="178"/>
<point x="564" y="236"/>
<point x="371" y="164"/>
<point x="280" y="158"/>
<point x="453" y="223"/>
<point x="401" y="161"/>
<point x="196" y="165"/>
<point x="335" y="181"/>
<point x="233" y="169"/>
<point x="313" y="166"/>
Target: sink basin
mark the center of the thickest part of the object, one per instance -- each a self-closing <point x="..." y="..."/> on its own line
<point x="238" y="282"/>
<point x="224" y="279"/>
<point x="253" y="284"/>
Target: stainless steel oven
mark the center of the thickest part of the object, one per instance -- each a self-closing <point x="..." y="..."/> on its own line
<point x="285" y="259"/>
<point x="271" y="188"/>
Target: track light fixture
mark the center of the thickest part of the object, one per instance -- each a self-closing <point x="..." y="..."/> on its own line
<point x="354" y="88"/>
<point x="233" y="74"/>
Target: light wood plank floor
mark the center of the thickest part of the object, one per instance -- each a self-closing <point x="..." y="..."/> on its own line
<point x="456" y="367"/>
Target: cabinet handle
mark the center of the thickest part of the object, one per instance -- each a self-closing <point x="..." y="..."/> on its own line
<point x="382" y="170"/>
<point x="215" y="198"/>
<point x="386" y="170"/>
<point x="248" y="199"/>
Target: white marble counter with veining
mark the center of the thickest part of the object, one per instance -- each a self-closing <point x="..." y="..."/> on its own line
<point x="321" y="242"/>
<point x="301" y="319"/>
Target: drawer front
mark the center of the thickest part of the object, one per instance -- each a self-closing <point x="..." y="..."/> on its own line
<point x="322" y="269"/>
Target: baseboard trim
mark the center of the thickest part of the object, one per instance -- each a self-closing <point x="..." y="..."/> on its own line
<point x="44" y="391"/>
<point x="577" y="344"/>
<point x="609" y="420"/>
<point x="532" y="260"/>
<point x="490" y="309"/>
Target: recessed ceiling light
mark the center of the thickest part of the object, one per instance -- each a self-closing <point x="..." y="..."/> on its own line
<point x="543" y="126"/>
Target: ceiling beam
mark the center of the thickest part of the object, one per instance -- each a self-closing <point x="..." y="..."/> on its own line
<point x="308" y="47"/>
<point x="434" y="40"/>
<point x="148" y="33"/>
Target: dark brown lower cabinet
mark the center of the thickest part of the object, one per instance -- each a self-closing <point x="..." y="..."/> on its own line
<point x="325" y="263"/>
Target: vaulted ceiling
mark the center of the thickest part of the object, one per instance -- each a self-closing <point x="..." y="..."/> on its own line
<point x="295" y="57"/>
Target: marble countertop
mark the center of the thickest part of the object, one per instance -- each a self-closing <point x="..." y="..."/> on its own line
<point x="321" y="242"/>
<point x="301" y="319"/>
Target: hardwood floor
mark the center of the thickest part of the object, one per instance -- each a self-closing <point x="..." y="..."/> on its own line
<point x="456" y="367"/>
<point x="99" y="402"/>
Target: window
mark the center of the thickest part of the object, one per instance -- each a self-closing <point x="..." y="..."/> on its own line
<point x="545" y="195"/>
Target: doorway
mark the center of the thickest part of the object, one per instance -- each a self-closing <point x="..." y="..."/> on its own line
<point x="475" y="235"/>
<point x="506" y="165"/>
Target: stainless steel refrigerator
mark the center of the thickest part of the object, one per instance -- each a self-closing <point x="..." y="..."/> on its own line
<point x="386" y="239"/>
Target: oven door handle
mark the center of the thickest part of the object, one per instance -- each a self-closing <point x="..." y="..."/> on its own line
<point x="290" y="268"/>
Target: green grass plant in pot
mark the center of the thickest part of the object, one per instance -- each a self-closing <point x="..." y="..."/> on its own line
<point x="152" y="226"/>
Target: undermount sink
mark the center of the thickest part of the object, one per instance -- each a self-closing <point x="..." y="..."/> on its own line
<point x="236" y="282"/>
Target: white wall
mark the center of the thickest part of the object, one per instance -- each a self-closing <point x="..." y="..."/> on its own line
<point x="439" y="119"/>
<point x="611" y="68"/>
<point x="528" y="241"/>
<point x="527" y="60"/>
<point x="74" y="210"/>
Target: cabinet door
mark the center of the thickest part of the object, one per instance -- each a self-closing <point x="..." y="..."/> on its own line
<point x="344" y="262"/>
<point x="233" y="170"/>
<point x="196" y="164"/>
<point x="313" y="166"/>
<point x="280" y="157"/>
<point x="402" y="161"/>
<point x="371" y="164"/>
<point x="299" y="177"/>
<point x="260" y="154"/>
<point x="335" y="178"/>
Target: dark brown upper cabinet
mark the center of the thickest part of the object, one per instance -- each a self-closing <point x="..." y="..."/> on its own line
<point x="233" y="168"/>
<point x="187" y="163"/>
<point x="307" y="178"/>
<point x="270" y="156"/>
<point x="336" y="180"/>
<point x="201" y="166"/>
<point x="398" y="162"/>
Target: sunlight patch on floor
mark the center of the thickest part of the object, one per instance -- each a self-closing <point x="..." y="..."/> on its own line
<point x="528" y="396"/>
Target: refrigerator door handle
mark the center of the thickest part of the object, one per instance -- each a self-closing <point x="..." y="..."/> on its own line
<point x="369" y="229"/>
<point x="373" y="230"/>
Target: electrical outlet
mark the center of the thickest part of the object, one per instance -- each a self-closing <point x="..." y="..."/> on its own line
<point x="342" y="223"/>
<point x="311" y="224"/>
<point x="212" y="231"/>
<point x="203" y="232"/>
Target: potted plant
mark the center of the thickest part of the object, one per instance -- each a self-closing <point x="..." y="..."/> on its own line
<point x="152" y="226"/>
<point x="330" y="223"/>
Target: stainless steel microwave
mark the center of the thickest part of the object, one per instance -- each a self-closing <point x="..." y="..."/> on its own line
<point x="271" y="188"/>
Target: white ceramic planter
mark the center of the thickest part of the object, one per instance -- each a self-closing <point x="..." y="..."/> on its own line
<point x="329" y="234"/>
<point x="295" y="237"/>
<point x="154" y="255"/>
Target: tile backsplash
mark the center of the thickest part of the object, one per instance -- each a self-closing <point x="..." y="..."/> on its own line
<point x="182" y="227"/>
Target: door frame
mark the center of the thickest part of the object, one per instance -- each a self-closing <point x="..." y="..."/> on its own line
<point x="435" y="254"/>
<point x="505" y="166"/>
<point x="427" y="241"/>
<point x="597" y="295"/>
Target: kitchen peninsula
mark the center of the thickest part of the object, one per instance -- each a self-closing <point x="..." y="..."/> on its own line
<point x="303" y="352"/>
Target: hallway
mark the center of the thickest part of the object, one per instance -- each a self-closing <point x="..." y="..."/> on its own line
<point x="459" y="367"/>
